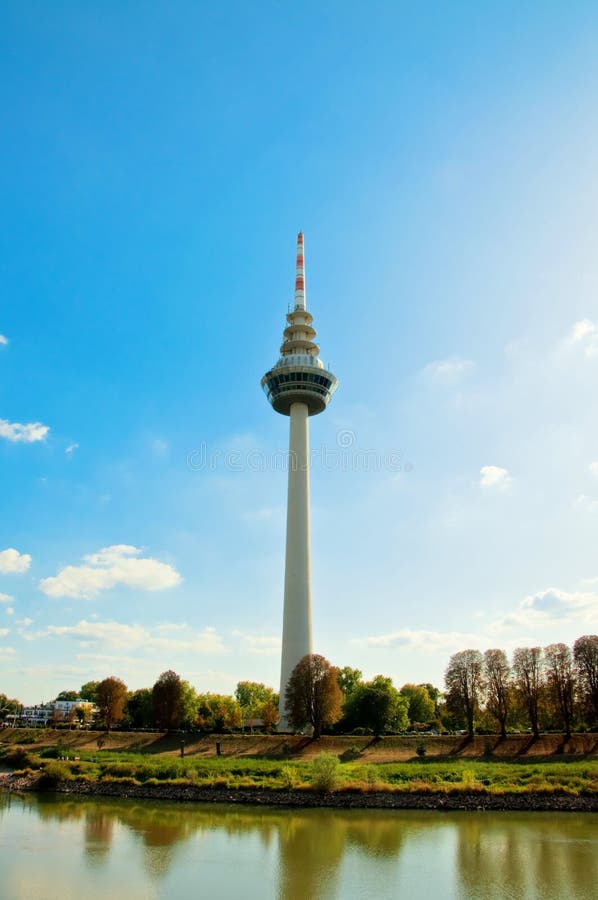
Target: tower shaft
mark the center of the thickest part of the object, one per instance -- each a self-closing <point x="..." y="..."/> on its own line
<point x="296" y="628"/>
<point x="298" y="386"/>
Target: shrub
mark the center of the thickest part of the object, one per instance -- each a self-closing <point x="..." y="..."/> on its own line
<point x="325" y="772"/>
<point x="289" y="778"/>
<point x="19" y="758"/>
<point x="421" y="749"/>
<point x="350" y="754"/>
<point x="53" y="773"/>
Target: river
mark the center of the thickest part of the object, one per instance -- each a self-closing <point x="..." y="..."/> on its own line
<point x="57" y="847"/>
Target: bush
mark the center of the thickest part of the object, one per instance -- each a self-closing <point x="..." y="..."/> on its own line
<point x="289" y="777"/>
<point x="362" y="731"/>
<point x="350" y="754"/>
<point x="421" y="749"/>
<point x="325" y="772"/>
<point x="53" y="773"/>
<point x="19" y="758"/>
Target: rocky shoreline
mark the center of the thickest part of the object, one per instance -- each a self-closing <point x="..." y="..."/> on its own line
<point x="559" y="801"/>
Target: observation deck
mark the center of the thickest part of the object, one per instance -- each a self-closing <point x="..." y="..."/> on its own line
<point x="299" y="375"/>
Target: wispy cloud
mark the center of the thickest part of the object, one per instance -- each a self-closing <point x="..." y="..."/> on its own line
<point x="593" y="467"/>
<point x="449" y="371"/>
<point x="25" y="434"/>
<point x="495" y="478"/>
<point x="3" y="339"/>
<point x="427" y="641"/>
<point x="133" y="637"/>
<point x="262" y="645"/>
<point x="118" y="564"/>
<point x="550" y="607"/>
<point x="6" y="598"/>
<point x="587" y="503"/>
<point x="583" y="335"/>
<point x="71" y="449"/>
<point x="12" y="562"/>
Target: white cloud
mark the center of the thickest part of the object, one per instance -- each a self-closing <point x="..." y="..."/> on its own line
<point x="551" y="607"/>
<point x="449" y="371"/>
<point x="4" y="632"/>
<point x="25" y="623"/>
<point x="9" y="611"/>
<point x="7" y="651"/>
<point x="262" y="645"/>
<point x="26" y="434"/>
<point x="590" y="504"/>
<point x="71" y="449"/>
<point x="593" y="467"/>
<point x="495" y="477"/>
<point x="6" y="598"/>
<point x="159" y="447"/>
<point x="118" y="564"/>
<point x="12" y="562"/>
<point x="428" y="641"/>
<point x="3" y="339"/>
<point x="584" y="335"/>
<point x="118" y="635"/>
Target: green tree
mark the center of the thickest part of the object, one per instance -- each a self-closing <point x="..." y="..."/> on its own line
<point x="110" y="699"/>
<point x="268" y="713"/>
<point x="218" y="712"/>
<point x="464" y="683"/>
<point x="251" y="696"/>
<point x="84" y="712"/>
<point x="422" y="707"/>
<point x="189" y="704"/>
<point x="68" y="695"/>
<point x="560" y="682"/>
<point x="89" y="691"/>
<point x="378" y="705"/>
<point x="497" y="675"/>
<point x="434" y="693"/>
<point x="8" y="707"/>
<point x="348" y="679"/>
<point x="313" y="695"/>
<point x="528" y="667"/>
<point x="167" y="699"/>
<point x="140" y="708"/>
<point x="585" y="654"/>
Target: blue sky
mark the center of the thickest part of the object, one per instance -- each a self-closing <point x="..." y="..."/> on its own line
<point x="157" y="161"/>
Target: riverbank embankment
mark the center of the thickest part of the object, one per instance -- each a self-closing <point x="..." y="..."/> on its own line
<point x="480" y="800"/>
<point x="368" y="749"/>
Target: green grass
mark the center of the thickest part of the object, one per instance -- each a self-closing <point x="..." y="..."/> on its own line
<point x="233" y="773"/>
<point x="150" y="767"/>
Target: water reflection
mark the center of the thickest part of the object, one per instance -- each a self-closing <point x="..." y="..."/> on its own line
<point x="538" y="856"/>
<point x="161" y="848"/>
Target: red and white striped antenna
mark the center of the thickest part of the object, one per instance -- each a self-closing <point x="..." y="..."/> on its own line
<point x="300" y="274"/>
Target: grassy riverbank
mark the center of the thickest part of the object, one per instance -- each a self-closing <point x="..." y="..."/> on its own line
<point x="304" y="766"/>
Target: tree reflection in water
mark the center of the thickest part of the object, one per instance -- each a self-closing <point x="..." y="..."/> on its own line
<point x="525" y="855"/>
<point x="318" y="853"/>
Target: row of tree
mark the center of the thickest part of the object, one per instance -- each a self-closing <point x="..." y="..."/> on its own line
<point x="552" y="687"/>
<point x="549" y="688"/>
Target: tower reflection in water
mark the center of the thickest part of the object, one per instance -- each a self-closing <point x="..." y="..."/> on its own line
<point x="168" y="850"/>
